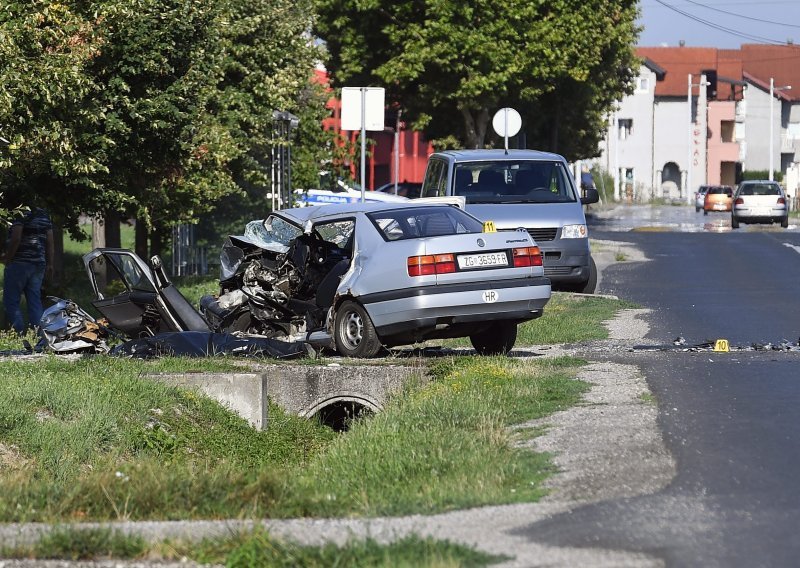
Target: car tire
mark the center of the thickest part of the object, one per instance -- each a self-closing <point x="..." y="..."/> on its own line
<point x="785" y="222"/>
<point x="496" y="339"/>
<point x="705" y="212"/>
<point x="353" y="331"/>
<point x="734" y="222"/>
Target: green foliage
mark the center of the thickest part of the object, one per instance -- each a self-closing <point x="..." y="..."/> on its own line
<point x="451" y="64"/>
<point x="762" y="174"/>
<point x="604" y="182"/>
<point x="156" y="109"/>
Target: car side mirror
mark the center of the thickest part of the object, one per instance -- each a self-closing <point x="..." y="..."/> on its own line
<point x="590" y="195"/>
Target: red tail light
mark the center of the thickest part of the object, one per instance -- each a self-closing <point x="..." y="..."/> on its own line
<point x="431" y="264"/>
<point x="527" y="256"/>
<point x="781" y="201"/>
<point x="739" y="201"/>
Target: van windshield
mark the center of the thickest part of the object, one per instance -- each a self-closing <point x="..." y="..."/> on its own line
<point x="513" y="181"/>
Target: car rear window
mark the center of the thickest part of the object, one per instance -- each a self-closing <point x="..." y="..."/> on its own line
<point x="417" y="222"/>
<point x="760" y="189"/>
<point x="720" y="191"/>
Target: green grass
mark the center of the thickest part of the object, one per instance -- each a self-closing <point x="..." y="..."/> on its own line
<point x="567" y="319"/>
<point x="91" y="440"/>
<point x="444" y="447"/>
<point x="255" y="548"/>
<point x="259" y="548"/>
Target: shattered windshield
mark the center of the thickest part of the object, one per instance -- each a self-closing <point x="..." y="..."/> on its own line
<point x="513" y="181"/>
<point x="275" y="233"/>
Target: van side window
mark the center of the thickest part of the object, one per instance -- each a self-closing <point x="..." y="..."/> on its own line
<point x="435" y="179"/>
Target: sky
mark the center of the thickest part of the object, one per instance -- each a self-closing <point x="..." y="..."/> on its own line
<point x="719" y="23"/>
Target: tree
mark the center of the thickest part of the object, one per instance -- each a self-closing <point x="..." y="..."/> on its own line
<point x="452" y="64"/>
<point x="157" y="109"/>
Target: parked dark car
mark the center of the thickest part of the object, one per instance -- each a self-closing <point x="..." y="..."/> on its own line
<point x="404" y="189"/>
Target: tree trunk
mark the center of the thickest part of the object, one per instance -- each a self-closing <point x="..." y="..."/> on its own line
<point x="113" y="236"/>
<point x="141" y="239"/>
<point x="475" y="127"/>
<point x="98" y="233"/>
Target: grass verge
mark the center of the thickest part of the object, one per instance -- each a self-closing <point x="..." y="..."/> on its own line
<point x="567" y="318"/>
<point x="91" y="440"/>
<point x="255" y="548"/>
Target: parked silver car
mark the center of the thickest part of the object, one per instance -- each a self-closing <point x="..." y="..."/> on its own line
<point x="354" y="277"/>
<point x="700" y="197"/>
<point x="759" y="201"/>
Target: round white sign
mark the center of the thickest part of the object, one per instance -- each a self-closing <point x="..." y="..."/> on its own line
<point x="506" y="122"/>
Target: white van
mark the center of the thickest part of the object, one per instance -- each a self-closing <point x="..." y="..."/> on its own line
<point x="523" y="189"/>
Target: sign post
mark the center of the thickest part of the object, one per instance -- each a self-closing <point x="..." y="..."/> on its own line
<point x="362" y="109"/>
<point x="506" y="122"/>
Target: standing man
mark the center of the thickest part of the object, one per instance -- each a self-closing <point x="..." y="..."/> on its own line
<point x="28" y="258"/>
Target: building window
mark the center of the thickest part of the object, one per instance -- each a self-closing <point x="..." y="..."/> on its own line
<point x="642" y="85"/>
<point x="727" y="129"/>
<point x="625" y="128"/>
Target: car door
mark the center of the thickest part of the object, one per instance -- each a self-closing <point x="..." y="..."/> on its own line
<point x="125" y="291"/>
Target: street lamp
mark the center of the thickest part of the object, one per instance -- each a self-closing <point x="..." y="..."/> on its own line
<point x="772" y="90"/>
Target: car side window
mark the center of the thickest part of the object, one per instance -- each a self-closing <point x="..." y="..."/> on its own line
<point x="338" y="234"/>
<point x="435" y="179"/>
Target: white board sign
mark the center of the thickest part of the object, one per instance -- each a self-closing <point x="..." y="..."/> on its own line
<point x="374" y="108"/>
<point x="507" y="122"/>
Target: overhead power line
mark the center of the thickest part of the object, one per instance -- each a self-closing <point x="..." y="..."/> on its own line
<point x="731" y="31"/>
<point x="750" y="18"/>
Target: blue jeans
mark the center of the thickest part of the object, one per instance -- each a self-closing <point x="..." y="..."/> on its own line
<point x="22" y="277"/>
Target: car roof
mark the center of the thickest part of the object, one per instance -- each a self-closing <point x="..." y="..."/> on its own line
<point x="484" y="155"/>
<point x="302" y="214"/>
<point x="758" y="181"/>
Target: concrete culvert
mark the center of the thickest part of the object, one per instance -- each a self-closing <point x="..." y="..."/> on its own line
<point x="339" y="414"/>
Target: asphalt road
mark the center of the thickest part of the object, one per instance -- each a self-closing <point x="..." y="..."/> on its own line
<point x="731" y="420"/>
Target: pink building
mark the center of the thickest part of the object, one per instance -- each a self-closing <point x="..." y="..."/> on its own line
<point x="723" y="150"/>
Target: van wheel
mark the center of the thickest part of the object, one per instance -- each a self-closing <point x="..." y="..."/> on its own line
<point x="354" y="334"/>
<point x="496" y="339"/>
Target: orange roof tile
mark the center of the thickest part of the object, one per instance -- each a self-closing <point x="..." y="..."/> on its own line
<point x="679" y="62"/>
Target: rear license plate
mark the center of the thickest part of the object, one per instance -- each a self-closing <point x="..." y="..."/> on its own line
<point x="467" y="261"/>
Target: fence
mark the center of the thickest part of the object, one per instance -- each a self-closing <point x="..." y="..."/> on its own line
<point x="188" y="259"/>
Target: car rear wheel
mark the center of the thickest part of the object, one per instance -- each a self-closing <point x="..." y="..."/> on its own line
<point x="354" y="334"/>
<point x="785" y="222"/>
<point x="705" y="211"/>
<point x="734" y="222"/>
<point x="497" y="339"/>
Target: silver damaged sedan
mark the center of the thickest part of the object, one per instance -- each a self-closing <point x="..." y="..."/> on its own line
<point x="411" y="272"/>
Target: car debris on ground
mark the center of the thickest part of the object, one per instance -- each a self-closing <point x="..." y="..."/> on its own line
<point x="719" y="345"/>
